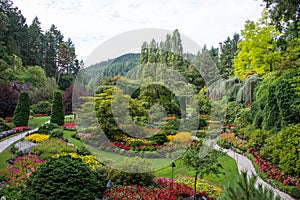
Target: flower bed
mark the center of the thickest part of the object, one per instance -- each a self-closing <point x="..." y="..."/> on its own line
<point x="164" y="190"/>
<point x="271" y="171"/>
<point x="22" y="167"/>
<point x="37" y="137"/>
<point x="69" y="126"/>
<point x="40" y="115"/>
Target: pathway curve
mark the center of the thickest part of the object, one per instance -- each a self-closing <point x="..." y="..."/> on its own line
<point x="6" y="143"/>
<point x="244" y="163"/>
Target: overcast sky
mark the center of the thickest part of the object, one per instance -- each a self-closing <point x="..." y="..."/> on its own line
<point x="91" y="22"/>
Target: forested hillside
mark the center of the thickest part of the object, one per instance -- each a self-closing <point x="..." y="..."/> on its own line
<point x="31" y="59"/>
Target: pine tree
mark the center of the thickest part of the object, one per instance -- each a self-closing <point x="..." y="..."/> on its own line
<point x="57" y="114"/>
<point x="22" y="111"/>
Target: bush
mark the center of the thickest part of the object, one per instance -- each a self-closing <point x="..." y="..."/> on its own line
<point x="296" y="193"/>
<point x="160" y="138"/>
<point x="133" y="171"/>
<point x="57" y="114"/>
<point x="47" y="128"/>
<point x="57" y="133"/>
<point x="51" y="147"/>
<point x="21" y="114"/>
<point x="286" y="150"/>
<point x="4" y="126"/>
<point x="63" y="178"/>
<point x="42" y="107"/>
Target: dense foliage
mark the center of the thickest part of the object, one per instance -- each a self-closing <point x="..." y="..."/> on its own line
<point x="21" y="115"/>
<point x="57" y="114"/>
<point x="63" y="178"/>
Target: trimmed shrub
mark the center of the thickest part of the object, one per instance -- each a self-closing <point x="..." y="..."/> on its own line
<point x="160" y="138"/>
<point x="57" y="114"/>
<point x="47" y="128"/>
<point x="4" y="126"/>
<point x="63" y="178"/>
<point x="21" y="114"/>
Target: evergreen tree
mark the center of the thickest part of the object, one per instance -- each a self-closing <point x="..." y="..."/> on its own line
<point x="21" y="115"/>
<point x="57" y="114"/>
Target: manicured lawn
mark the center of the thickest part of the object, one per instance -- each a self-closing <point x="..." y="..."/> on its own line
<point x="103" y="156"/>
<point x="68" y="135"/>
<point x="229" y="168"/>
<point x="37" y="121"/>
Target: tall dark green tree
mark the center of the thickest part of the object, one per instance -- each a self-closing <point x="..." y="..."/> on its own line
<point x="229" y="52"/>
<point x="57" y="114"/>
<point x="285" y="14"/>
<point x="21" y="115"/>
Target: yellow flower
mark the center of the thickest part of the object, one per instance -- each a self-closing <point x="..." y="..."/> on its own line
<point x="37" y="137"/>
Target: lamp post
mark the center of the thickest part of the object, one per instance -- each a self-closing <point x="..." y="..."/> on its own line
<point x="172" y="165"/>
<point x="109" y="184"/>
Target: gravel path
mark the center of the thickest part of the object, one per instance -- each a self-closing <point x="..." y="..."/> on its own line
<point x="244" y="163"/>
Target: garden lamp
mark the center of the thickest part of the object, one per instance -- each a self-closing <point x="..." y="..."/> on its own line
<point x="172" y="165"/>
<point x="109" y="184"/>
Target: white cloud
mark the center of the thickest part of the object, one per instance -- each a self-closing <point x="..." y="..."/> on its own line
<point x="90" y="22"/>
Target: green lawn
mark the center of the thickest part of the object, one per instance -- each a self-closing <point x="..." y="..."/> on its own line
<point x="37" y="121"/>
<point x="68" y="135"/>
<point x="229" y="168"/>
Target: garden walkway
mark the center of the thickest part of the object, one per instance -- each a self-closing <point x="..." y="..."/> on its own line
<point x="244" y="163"/>
<point x="6" y="143"/>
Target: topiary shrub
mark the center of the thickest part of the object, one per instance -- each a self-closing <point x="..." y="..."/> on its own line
<point x="57" y="114"/>
<point x="63" y="178"/>
<point x="47" y="128"/>
<point x="21" y="114"/>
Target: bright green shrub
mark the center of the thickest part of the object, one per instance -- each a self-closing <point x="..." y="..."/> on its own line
<point x="286" y="150"/>
<point x="63" y="178"/>
<point x="57" y="133"/>
<point x="57" y="114"/>
<point x="21" y="114"/>
<point x="51" y="147"/>
<point x="258" y="138"/>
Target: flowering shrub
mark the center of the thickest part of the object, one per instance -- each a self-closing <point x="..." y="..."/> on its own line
<point x="272" y="172"/>
<point x="37" y="137"/>
<point x="211" y="190"/>
<point x="89" y="160"/>
<point x="21" y="169"/>
<point x="69" y="126"/>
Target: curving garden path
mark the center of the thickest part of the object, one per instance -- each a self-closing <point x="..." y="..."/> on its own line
<point x="243" y="163"/>
<point x="6" y="143"/>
